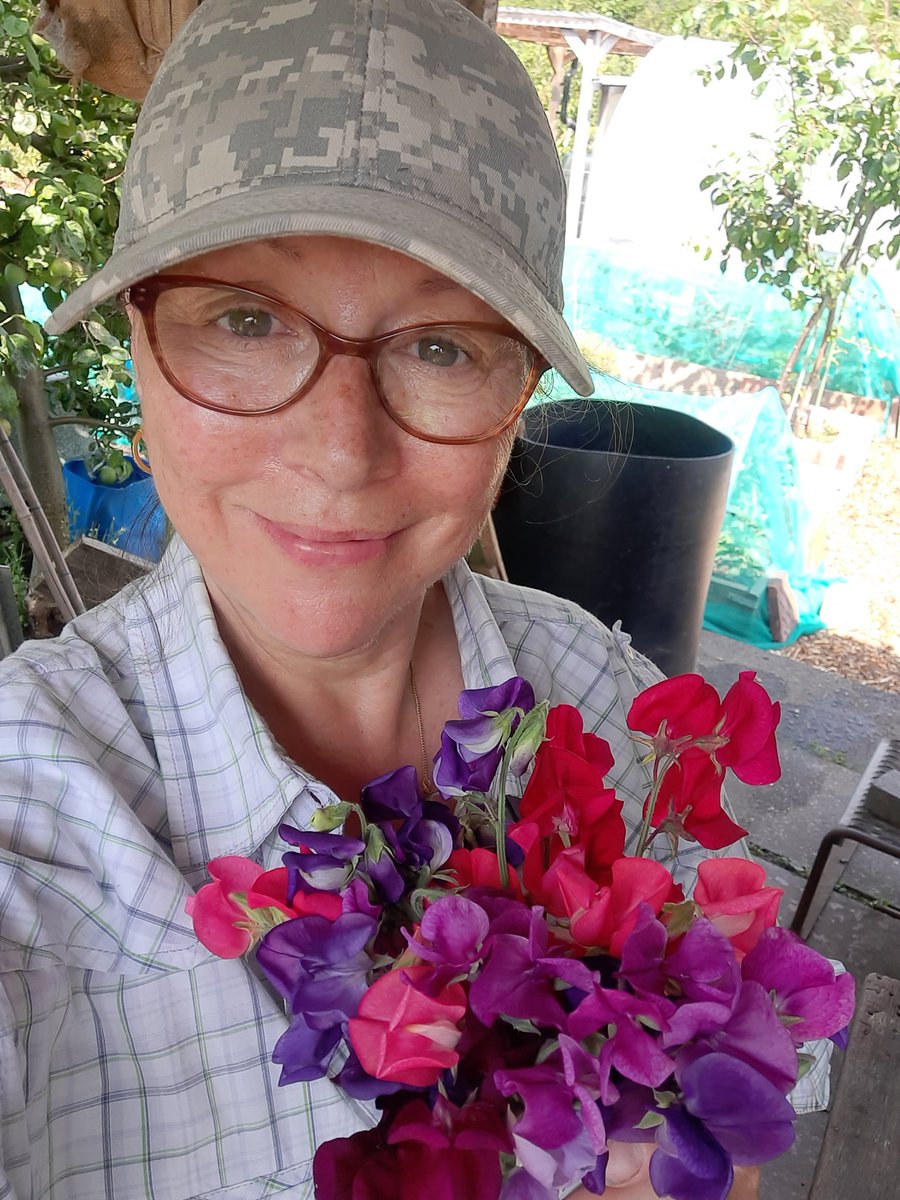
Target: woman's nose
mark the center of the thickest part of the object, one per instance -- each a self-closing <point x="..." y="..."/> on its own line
<point x="340" y="431"/>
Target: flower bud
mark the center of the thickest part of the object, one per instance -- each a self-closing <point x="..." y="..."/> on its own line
<point x="325" y="820"/>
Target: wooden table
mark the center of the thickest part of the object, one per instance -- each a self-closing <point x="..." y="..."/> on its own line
<point x="860" y="1155"/>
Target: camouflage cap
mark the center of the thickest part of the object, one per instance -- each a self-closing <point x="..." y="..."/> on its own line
<point x="407" y="123"/>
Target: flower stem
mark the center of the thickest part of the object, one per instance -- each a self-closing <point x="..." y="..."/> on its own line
<point x="646" y="835"/>
<point x="498" y="794"/>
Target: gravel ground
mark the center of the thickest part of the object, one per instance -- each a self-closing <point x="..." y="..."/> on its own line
<point x="862" y="641"/>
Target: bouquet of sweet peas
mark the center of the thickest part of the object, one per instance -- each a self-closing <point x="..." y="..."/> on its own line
<point x="513" y="983"/>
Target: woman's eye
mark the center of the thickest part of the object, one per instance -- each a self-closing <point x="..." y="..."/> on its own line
<point x="440" y="352"/>
<point x="248" y="322"/>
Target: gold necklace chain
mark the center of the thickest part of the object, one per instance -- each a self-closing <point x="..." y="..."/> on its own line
<point x="427" y="785"/>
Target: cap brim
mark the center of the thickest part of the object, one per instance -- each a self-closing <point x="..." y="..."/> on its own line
<point x="447" y="243"/>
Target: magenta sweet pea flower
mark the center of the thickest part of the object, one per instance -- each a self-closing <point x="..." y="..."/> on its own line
<point x="629" y="1047"/>
<point x="519" y="978"/>
<point x="751" y="1033"/>
<point x="451" y="937"/>
<point x="808" y="997"/>
<point x="549" y="1119"/>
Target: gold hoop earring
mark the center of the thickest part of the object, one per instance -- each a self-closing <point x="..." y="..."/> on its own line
<point x="139" y="455"/>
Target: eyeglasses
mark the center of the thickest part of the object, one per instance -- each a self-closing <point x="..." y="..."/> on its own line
<point x="243" y="352"/>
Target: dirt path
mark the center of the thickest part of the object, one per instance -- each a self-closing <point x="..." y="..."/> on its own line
<point x="863" y="546"/>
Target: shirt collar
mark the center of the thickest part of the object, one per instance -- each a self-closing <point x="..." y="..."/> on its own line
<point x="228" y="784"/>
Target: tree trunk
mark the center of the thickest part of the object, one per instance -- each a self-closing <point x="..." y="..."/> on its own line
<point x="798" y="347"/>
<point x="38" y="446"/>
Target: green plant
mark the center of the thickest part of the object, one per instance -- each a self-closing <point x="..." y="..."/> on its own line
<point x="15" y="553"/>
<point x="108" y="463"/>
<point x="840" y="109"/>
<point x="62" y="151"/>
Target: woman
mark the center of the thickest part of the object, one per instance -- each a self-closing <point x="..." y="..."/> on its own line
<point x="340" y="249"/>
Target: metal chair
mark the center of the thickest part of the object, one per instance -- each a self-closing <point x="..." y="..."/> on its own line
<point x="872" y="818"/>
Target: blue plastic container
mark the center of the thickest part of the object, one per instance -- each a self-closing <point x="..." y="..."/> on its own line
<point x="126" y="514"/>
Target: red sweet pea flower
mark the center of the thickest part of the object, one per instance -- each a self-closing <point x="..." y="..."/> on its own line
<point x="685" y="706"/>
<point x="610" y="920"/>
<point x="402" y="1035"/>
<point x="226" y="927"/>
<point x="271" y="889"/>
<point x="480" y="868"/>
<point x="566" y="796"/>
<point x="750" y="722"/>
<point x="604" y="917"/>
<point x="732" y="893"/>
<point x="690" y="802"/>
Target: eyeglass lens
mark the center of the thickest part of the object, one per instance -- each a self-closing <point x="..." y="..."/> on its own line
<point x="241" y="353"/>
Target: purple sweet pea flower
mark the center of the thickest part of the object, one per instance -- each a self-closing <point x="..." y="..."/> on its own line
<point x="355" y="899"/>
<point x="304" y="1053"/>
<point x="557" y="1167"/>
<point x="523" y="1186"/>
<point x="549" y="1120"/>
<point x="703" y="967"/>
<point x="319" y="966"/>
<point x="472" y="749"/>
<point x="746" y="1113"/>
<point x="413" y="831"/>
<point x="809" y="998"/>
<point x="326" y="865"/>
<point x="689" y="1164"/>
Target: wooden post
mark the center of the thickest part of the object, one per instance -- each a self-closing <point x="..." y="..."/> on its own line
<point x="10" y="626"/>
<point x="557" y="56"/>
<point x="589" y="53"/>
<point x="861" y="1147"/>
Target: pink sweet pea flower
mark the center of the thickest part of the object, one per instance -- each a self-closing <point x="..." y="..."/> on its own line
<point x="732" y="893"/>
<point x="403" y="1035"/>
<point x="750" y="722"/>
<point x="228" y="928"/>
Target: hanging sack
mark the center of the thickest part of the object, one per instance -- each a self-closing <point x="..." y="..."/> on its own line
<point x="115" y="44"/>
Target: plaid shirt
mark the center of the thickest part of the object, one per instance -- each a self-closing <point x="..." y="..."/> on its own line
<point x="132" y="1063"/>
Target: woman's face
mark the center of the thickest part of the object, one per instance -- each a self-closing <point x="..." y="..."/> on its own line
<point x="318" y="525"/>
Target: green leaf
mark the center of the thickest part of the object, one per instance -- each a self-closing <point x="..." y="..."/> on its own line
<point x="14" y="27"/>
<point x="650" y="1120"/>
<point x="24" y="123"/>
<point x="9" y="399"/>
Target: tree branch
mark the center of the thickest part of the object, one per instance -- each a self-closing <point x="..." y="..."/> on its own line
<point x="13" y="70"/>
<point x="91" y="422"/>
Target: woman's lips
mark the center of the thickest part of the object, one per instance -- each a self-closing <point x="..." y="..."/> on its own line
<point x="326" y="547"/>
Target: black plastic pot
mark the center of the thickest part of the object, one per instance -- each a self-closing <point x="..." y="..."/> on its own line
<point x="618" y="507"/>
